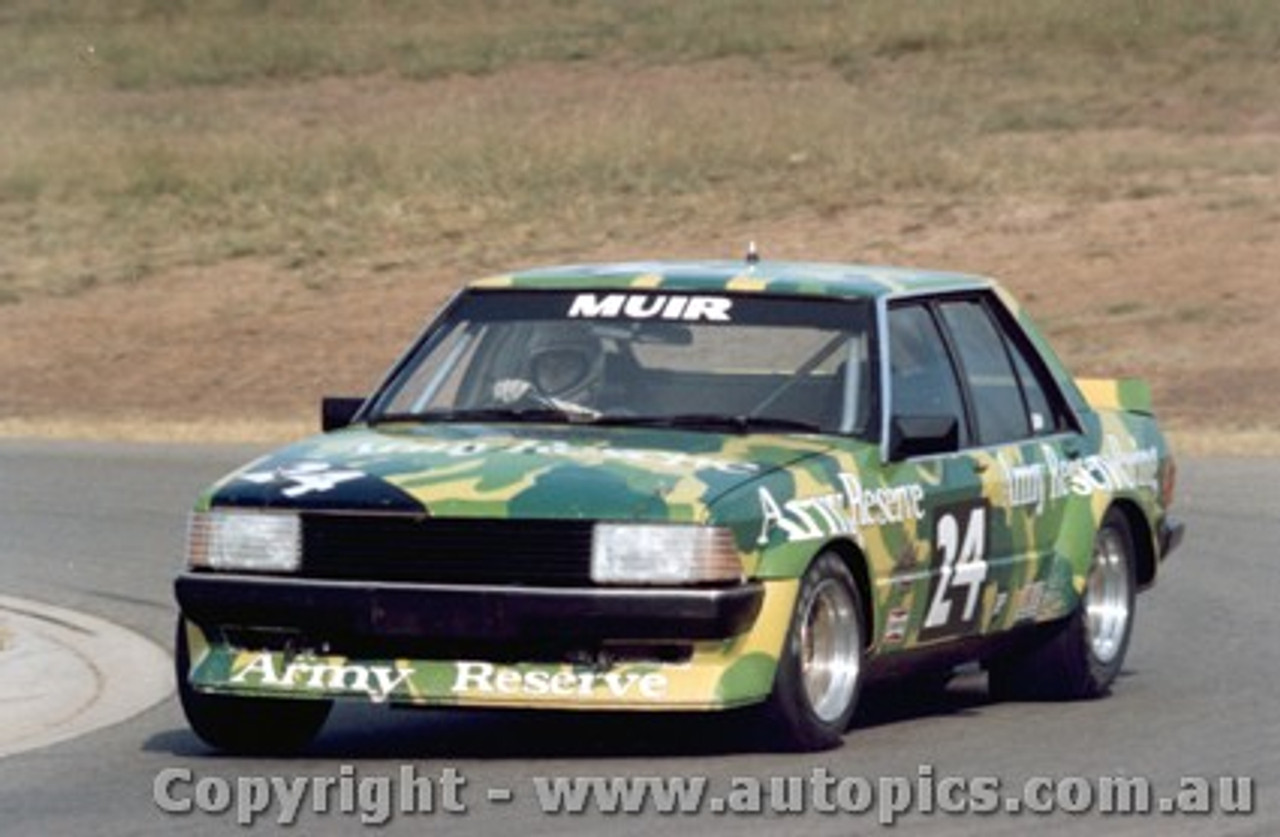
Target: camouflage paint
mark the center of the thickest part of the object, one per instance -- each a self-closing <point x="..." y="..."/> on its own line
<point x="786" y="498"/>
<point x="720" y="674"/>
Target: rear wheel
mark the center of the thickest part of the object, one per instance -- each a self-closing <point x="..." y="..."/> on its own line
<point x="819" y="675"/>
<point x="1083" y="658"/>
<point x="245" y="724"/>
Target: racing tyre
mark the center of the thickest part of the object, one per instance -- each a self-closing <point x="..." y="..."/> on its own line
<point x="819" y="676"/>
<point x="246" y="725"/>
<point x="1082" y="658"/>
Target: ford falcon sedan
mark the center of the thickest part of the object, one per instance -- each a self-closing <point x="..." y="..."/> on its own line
<point x="706" y="486"/>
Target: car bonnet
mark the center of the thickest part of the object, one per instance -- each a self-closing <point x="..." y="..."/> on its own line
<point x="512" y="471"/>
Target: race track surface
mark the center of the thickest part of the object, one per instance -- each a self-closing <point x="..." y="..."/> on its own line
<point x="100" y="528"/>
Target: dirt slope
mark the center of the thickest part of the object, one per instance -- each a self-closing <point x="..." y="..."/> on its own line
<point x="1178" y="286"/>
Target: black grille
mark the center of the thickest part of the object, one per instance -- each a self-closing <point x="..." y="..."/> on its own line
<point x="553" y="553"/>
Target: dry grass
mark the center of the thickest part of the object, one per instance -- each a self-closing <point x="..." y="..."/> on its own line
<point x="193" y="188"/>
<point x="194" y="133"/>
<point x="149" y="44"/>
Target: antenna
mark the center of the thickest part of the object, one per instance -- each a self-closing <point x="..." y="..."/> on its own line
<point x="753" y="255"/>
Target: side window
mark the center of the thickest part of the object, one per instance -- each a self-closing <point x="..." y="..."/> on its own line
<point x="1047" y="407"/>
<point x="998" y="407"/>
<point x="922" y="378"/>
<point x="1044" y="419"/>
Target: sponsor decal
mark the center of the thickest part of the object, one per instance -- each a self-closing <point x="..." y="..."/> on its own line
<point x="651" y="307"/>
<point x="489" y="679"/>
<point x="398" y="448"/>
<point x="845" y="512"/>
<point x="302" y="478"/>
<point x="895" y="626"/>
<point x="314" y="675"/>
<point x="588" y="455"/>
<point x="1115" y="469"/>
<point x="1029" y="599"/>
<point x="997" y="608"/>
<point x="657" y="458"/>
<point x="1025" y="485"/>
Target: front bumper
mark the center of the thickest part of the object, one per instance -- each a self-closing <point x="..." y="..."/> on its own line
<point x="360" y="611"/>
<point x="441" y="645"/>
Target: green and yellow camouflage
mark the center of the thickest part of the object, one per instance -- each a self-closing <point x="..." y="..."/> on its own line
<point x="943" y="548"/>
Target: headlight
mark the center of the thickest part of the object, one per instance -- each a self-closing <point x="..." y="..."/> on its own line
<point x="223" y="539"/>
<point x="660" y="554"/>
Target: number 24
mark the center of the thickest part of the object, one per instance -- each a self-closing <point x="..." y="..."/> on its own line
<point x="963" y="548"/>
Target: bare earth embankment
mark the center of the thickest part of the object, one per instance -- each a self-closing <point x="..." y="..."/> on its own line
<point x="203" y="256"/>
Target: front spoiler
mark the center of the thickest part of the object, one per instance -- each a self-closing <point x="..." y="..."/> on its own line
<point x="714" y="674"/>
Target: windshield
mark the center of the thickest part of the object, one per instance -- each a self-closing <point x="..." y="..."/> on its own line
<point x="720" y="362"/>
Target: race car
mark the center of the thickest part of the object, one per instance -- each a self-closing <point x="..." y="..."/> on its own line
<point x="703" y="486"/>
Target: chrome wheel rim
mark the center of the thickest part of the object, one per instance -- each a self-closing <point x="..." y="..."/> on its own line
<point x="830" y="643"/>
<point x="1107" y="598"/>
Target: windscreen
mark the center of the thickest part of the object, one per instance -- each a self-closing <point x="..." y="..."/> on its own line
<point x="715" y="360"/>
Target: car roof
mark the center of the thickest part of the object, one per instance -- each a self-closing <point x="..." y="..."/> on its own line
<point x="766" y="277"/>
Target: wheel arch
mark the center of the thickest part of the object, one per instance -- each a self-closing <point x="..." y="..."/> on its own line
<point x="1143" y="541"/>
<point x="856" y="562"/>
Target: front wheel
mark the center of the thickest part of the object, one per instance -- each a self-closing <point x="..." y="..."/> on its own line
<point x="815" y="690"/>
<point x="246" y="724"/>
<point x="1083" y="658"/>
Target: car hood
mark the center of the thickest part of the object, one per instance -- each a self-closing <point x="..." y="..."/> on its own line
<point x="512" y="471"/>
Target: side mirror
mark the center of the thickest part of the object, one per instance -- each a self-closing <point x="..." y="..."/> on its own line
<point x="337" y="413"/>
<point x="922" y="435"/>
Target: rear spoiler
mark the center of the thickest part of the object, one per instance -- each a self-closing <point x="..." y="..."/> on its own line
<point x="1132" y="395"/>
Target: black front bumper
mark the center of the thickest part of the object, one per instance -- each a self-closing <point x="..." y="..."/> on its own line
<point x="357" y="610"/>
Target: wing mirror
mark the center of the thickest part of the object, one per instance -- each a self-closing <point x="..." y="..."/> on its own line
<point x="337" y="413"/>
<point x="922" y="435"/>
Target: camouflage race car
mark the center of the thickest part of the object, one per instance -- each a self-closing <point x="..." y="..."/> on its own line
<point x="684" y="486"/>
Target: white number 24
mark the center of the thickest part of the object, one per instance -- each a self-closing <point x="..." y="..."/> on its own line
<point x="963" y="547"/>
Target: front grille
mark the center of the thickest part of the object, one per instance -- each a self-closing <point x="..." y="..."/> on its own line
<point x="551" y="553"/>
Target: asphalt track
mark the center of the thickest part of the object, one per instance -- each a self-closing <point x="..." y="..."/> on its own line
<point x="98" y="529"/>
